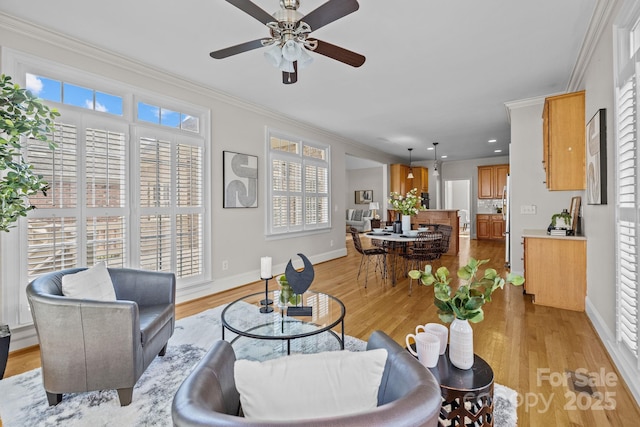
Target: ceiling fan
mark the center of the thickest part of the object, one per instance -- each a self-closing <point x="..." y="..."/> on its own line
<point x="290" y="31"/>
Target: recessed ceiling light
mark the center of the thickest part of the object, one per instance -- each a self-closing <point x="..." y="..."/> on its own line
<point x="497" y="151"/>
<point x="443" y="157"/>
<point x="492" y="140"/>
<point x="430" y="149"/>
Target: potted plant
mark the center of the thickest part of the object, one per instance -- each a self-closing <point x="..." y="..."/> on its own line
<point x="464" y="304"/>
<point x="406" y="205"/>
<point x="564" y="216"/>
<point x="287" y="296"/>
<point x="22" y="116"/>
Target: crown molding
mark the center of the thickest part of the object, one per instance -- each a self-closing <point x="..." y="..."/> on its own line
<point x="521" y="103"/>
<point x="597" y="26"/>
<point x="28" y="32"/>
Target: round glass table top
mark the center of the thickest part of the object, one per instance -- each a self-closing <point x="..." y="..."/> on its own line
<point x="326" y="312"/>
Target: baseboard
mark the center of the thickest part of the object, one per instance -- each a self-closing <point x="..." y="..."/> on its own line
<point x="626" y="368"/>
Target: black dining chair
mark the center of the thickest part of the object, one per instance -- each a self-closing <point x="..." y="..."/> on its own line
<point x="379" y="253"/>
<point x="427" y="247"/>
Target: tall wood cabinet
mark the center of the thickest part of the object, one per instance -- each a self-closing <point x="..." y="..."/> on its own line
<point x="401" y="184"/>
<point x="491" y="181"/>
<point x="555" y="269"/>
<point x="563" y="131"/>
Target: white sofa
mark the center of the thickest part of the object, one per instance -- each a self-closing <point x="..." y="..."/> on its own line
<point x="360" y="219"/>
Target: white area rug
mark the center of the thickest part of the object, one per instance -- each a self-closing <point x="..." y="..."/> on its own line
<point x="24" y="402"/>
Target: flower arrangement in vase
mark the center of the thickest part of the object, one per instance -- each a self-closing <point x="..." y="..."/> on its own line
<point x="465" y="304"/>
<point x="406" y="205"/>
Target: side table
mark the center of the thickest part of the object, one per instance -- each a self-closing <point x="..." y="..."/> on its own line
<point x="467" y="395"/>
<point x="375" y="223"/>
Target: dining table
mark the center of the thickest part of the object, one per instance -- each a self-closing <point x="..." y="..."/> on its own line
<point x="397" y="244"/>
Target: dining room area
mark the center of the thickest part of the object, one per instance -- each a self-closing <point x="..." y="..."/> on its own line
<point x="391" y="252"/>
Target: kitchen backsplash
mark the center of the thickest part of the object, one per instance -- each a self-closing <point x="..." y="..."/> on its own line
<point x="489" y="205"/>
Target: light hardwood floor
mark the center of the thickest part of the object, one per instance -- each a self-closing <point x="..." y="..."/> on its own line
<point x="530" y="347"/>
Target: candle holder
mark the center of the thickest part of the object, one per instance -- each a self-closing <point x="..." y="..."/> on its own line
<point x="266" y="302"/>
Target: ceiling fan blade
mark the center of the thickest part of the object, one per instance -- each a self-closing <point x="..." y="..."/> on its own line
<point x="291" y="78"/>
<point x="234" y="50"/>
<point x="339" y="53"/>
<point x="252" y="9"/>
<point x="329" y="12"/>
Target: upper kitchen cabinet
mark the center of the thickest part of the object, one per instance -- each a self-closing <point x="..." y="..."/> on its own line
<point x="563" y="131"/>
<point x="401" y="184"/>
<point x="491" y="181"/>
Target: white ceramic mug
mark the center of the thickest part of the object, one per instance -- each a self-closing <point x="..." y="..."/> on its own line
<point x="438" y="330"/>
<point x="427" y="346"/>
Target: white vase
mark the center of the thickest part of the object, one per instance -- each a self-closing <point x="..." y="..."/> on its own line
<point x="406" y="223"/>
<point x="461" y="344"/>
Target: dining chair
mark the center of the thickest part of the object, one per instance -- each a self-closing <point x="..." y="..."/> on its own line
<point x="446" y="231"/>
<point x="426" y="247"/>
<point x="379" y="253"/>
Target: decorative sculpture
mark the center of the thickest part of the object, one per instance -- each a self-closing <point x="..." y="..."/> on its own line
<point x="300" y="281"/>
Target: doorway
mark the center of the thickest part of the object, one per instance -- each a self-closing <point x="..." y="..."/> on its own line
<point x="457" y="195"/>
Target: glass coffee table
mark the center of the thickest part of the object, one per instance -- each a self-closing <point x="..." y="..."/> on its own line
<point x="313" y="333"/>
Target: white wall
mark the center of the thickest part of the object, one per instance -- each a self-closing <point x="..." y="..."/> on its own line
<point x="527" y="177"/>
<point x="236" y="235"/>
<point x="598" y="220"/>
<point x="367" y="179"/>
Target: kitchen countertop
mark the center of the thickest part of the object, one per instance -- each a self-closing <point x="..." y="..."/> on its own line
<point x="543" y="235"/>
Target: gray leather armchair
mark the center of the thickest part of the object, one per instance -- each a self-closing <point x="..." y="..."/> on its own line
<point x="409" y="395"/>
<point x="88" y="345"/>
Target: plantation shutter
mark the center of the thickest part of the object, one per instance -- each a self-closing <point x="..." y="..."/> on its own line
<point x="627" y="298"/>
<point x="52" y="234"/>
<point x="299" y="191"/>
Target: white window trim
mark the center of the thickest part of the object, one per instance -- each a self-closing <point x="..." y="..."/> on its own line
<point x="272" y="155"/>
<point x="13" y="245"/>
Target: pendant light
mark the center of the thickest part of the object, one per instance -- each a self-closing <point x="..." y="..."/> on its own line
<point x="410" y="176"/>
<point x="435" y="160"/>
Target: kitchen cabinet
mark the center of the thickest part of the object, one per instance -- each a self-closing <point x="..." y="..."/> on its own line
<point x="563" y="136"/>
<point x="401" y="184"/>
<point x="491" y="181"/>
<point x="555" y="269"/>
<point x="490" y="226"/>
<point x="482" y="227"/>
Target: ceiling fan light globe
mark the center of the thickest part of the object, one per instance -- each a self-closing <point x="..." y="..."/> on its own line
<point x="291" y="51"/>
<point x="274" y="55"/>
<point x="305" y="59"/>
<point x="287" y="66"/>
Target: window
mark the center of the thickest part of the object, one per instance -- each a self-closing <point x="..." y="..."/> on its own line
<point x="627" y="189"/>
<point x="299" y="196"/>
<point x="123" y="190"/>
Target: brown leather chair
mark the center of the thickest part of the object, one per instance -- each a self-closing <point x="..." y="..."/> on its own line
<point x="408" y="395"/>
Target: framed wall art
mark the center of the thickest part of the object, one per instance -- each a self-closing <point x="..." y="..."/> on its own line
<point x="574" y="211"/>
<point x="596" y="162"/>
<point x="240" y="180"/>
<point x="364" y="196"/>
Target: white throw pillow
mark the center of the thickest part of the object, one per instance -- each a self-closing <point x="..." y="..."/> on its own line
<point x="306" y="386"/>
<point x="93" y="283"/>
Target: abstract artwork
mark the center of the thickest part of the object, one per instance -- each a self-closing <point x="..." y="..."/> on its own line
<point x="596" y="164"/>
<point x="240" y="173"/>
<point x="364" y="196"/>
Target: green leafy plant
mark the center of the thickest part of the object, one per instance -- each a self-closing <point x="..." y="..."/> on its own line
<point x="467" y="300"/>
<point x="566" y="217"/>
<point x="22" y="115"/>
<point x="286" y="292"/>
<point x="406" y="205"/>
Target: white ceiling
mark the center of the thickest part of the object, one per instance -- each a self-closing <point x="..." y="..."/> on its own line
<point x="435" y="70"/>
